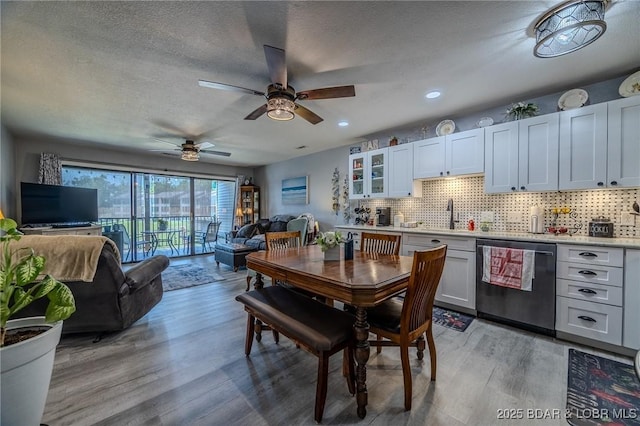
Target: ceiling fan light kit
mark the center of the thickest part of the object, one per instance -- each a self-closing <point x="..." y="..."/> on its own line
<point x="280" y="109"/>
<point x="569" y="26"/>
<point x="189" y="155"/>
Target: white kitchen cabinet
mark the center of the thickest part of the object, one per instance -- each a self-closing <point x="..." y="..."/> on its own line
<point x="458" y="283"/>
<point x="522" y="155"/>
<point x="631" y="321"/>
<point x="583" y="148"/>
<point x="369" y="174"/>
<point x="623" y="143"/>
<point x="451" y="155"/>
<point x="401" y="182"/>
<point x="600" y="146"/>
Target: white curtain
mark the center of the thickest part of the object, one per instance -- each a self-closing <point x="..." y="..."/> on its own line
<point x="50" y="169"/>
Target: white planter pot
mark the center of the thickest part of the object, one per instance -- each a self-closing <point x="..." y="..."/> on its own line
<point x="26" y="372"/>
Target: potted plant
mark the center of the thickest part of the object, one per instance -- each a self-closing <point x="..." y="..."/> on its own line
<point x="329" y="243"/>
<point x="27" y="345"/>
<point x="522" y="110"/>
<point x="162" y="224"/>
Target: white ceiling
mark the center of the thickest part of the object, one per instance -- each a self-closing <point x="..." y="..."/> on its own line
<point x="123" y="73"/>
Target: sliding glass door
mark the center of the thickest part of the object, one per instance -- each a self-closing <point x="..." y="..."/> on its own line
<point x="149" y="214"/>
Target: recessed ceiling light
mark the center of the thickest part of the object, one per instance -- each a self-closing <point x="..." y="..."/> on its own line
<point x="343" y="123"/>
<point x="432" y="95"/>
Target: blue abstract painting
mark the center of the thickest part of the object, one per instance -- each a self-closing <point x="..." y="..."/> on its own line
<point x="295" y="190"/>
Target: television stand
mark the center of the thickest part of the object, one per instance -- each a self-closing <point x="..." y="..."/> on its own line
<point x="76" y="230"/>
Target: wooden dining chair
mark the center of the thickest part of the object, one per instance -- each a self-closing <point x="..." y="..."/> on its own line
<point x="380" y="243"/>
<point x="404" y="322"/>
<point x="278" y="241"/>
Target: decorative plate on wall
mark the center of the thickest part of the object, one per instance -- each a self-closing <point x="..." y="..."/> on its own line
<point x="631" y="85"/>
<point x="572" y="99"/>
<point x="445" y="127"/>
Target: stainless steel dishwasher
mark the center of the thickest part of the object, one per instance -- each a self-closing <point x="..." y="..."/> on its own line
<point x="533" y="310"/>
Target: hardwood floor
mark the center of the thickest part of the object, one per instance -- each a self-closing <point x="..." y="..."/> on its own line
<point x="184" y="364"/>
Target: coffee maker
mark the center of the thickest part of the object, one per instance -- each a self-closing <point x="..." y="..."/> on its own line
<point x="384" y="216"/>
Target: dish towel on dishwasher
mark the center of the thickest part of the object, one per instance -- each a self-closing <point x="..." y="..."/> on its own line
<point x="508" y="267"/>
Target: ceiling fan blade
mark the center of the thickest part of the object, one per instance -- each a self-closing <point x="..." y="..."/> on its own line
<point x="229" y="87"/>
<point x="167" y="142"/>
<point x="311" y="117"/>
<point x="257" y="113"/>
<point x="328" y="93"/>
<point x="205" y="145"/>
<point x="277" y="65"/>
<point x="221" y="153"/>
<point x="164" y="150"/>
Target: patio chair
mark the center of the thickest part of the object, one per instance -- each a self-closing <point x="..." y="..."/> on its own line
<point x="210" y="235"/>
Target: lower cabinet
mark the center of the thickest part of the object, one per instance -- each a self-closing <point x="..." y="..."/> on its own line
<point x="631" y="329"/>
<point x="458" y="283"/>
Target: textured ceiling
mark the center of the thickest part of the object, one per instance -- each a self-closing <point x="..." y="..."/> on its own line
<point x="124" y="74"/>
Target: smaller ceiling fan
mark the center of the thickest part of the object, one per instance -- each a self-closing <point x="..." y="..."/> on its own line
<point x="281" y="98"/>
<point x="191" y="151"/>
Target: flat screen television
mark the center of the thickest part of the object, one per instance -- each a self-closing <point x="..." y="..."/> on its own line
<point x="55" y="204"/>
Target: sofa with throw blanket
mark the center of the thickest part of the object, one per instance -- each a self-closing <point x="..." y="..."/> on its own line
<point x="107" y="298"/>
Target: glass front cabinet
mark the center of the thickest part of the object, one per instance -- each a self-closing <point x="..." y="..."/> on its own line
<point x="250" y="196"/>
<point x="368" y="174"/>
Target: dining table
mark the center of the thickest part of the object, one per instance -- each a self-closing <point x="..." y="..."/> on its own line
<point x="362" y="282"/>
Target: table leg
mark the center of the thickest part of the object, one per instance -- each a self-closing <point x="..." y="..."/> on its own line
<point x="361" y="328"/>
<point x="258" y="326"/>
<point x="259" y="283"/>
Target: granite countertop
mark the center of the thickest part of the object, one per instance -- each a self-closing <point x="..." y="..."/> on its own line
<point x="633" y="243"/>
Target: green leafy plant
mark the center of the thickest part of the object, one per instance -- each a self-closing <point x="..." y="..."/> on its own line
<point x="162" y="224"/>
<point x="330" y="239"/>
<point x="19" y="271"/>
<point x="522" y="110"/>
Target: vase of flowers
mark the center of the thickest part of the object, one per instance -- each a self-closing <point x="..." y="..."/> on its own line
<point x="329" y="243"/>
<point x="522" y="110"/>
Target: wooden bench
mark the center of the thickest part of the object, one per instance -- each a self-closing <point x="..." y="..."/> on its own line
<point x="318" y="328"/>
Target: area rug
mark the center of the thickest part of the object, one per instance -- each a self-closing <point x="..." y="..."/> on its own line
<point x="451" y="319"/>
<point x="189" y="275"/>
<point x="601" y="391"/>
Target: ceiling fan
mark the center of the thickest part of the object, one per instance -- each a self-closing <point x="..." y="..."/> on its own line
<point x="281" y="98"/>
<point x="190" y="151"/>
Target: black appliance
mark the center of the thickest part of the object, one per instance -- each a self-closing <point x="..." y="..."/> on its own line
<point x="533" y="310"/>
<point x="55" y="204"/>
<point x="384" y="216"/>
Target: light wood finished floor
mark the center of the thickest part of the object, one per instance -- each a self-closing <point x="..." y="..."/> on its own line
<point x="184" y="364"/>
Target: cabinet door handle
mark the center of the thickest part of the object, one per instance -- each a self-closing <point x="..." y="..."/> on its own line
<point x="435" y="241"/>
<point x="614" y="182"/>
<point x="586" y="318"/>
<point x="522" y="188"/>
<point x="587" y="272"/>
<point x="447" y="172"/>
<point x="600" y="183"/>
<point x="588" y="254"/>
<point x="513" y="188"/>
<point x="441" y="174"/>
<point x="587" y="290"/>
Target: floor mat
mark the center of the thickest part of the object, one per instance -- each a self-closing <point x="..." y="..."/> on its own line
<point x="189" y="275"/>
<point x="451" y="319"/>
<point x="601" y="391"/>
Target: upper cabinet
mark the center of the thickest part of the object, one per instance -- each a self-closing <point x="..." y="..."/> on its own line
<point x="522" y="155"/>
<point x="623" y="145"/>
<point x="600" y="145"/>
<point x="452" y="155"/>
<point x="369" y="174"/>
<point x="401" y="183"/>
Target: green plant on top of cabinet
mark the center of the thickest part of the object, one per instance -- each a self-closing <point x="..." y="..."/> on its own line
<point x="401" y="183"/>
<point x="369" y="174"/>
<point x="600" y="145"/>
<point x="522" y="155"/>
<point x="451" y="155"/>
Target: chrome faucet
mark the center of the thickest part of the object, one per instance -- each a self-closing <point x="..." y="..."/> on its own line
<point x="450" y="210"/>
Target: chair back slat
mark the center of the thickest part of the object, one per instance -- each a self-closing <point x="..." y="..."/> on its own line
<point x="380" y="243"/>
<point x="423" y="283"/>
<point x="283" y="240"/>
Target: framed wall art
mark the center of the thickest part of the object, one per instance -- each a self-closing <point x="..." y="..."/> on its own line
<point x="295" y="190"/>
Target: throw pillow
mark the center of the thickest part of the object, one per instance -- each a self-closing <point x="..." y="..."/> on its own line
<point x="247" y="231"/>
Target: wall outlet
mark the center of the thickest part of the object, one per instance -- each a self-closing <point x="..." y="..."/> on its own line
<point x="514" y="217"/>
<point x="627" y="219"/>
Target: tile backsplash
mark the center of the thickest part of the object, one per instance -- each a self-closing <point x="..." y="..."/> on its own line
<point x="511" y="211"/>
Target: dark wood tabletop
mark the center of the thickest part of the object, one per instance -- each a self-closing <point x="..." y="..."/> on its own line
<point x="363" y="282"/>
